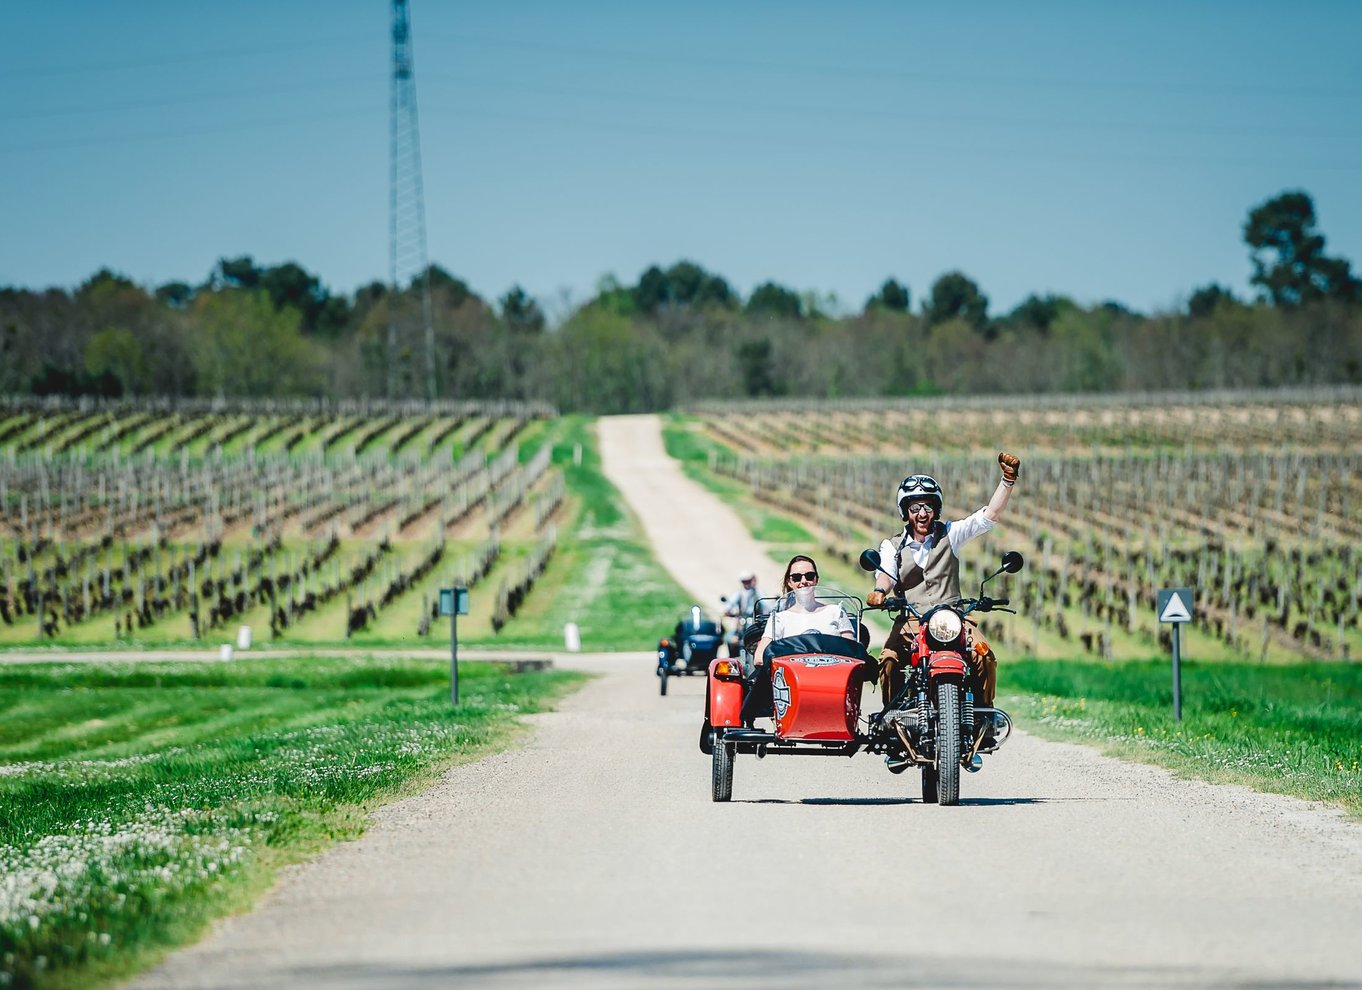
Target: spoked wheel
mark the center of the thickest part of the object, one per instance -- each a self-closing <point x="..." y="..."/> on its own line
<point x="722" y="772"/>
<point x="929" y="785"/>
<point x="662" y="679"/>
<point x="948" y="742"/>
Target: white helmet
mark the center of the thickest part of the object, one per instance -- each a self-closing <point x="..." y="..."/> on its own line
<point x="745" y="576"/>
<point x="918" y="488"/>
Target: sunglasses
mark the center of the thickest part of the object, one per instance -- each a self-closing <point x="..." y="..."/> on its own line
<point x="803" y="576"/>
<point x="918" y="507"/>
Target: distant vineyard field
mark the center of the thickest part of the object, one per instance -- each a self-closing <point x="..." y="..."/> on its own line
<point x="1253" y="498"/>
<point x="167" y="522"/>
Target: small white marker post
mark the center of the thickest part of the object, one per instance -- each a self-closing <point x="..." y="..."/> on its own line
<point x="454" y="603"/>
<point x="1175" y="606"/>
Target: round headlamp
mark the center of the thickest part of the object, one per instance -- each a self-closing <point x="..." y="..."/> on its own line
<point x="944" y="626"/>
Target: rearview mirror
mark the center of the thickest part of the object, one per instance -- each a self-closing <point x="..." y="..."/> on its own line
<point x="870" y="560"/>
<point x="1012" y="562"/>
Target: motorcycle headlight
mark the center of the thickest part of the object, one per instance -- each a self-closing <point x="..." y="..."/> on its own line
<point x="944" y="626"/>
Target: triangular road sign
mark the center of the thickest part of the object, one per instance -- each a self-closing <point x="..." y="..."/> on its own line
<point x="1175" y="610"/>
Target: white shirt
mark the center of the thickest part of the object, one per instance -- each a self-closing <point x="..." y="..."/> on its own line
<point x="959" y="532"/>
<point x="830" y="618"/>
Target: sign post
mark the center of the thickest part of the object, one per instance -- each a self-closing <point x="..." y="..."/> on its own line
<point x="1175" y="607"/>
<point x="454" y="603"/>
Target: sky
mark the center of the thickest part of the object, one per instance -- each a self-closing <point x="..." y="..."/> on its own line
<point x="1100" y="151"/>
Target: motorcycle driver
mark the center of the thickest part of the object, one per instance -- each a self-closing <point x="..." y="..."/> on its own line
<point x="924" y="558"/>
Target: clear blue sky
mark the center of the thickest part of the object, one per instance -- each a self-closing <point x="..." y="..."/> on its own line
<point x="1104" y="151"/>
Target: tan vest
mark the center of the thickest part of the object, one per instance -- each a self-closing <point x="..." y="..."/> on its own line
<point x="938" y="582"/>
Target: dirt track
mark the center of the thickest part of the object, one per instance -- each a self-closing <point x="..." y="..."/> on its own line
<point x="593" y="857"/>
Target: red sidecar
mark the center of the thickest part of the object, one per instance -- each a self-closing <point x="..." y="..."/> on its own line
<point x="810" y="688"/>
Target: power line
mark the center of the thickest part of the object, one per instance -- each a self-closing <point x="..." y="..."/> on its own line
<point x="845" y="112"/>
<point x="248" y="93"/>
<point x="189" y="58"/>
<point x="191" y="131"/>
<point x="804" y="145"/>
<point x="1086" y="84"/>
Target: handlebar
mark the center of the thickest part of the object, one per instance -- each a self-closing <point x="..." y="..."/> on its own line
<point x="963" y="605"/>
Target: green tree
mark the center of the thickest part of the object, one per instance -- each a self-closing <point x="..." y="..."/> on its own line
<point x="243" y="346"/>
<point x="758" y="369"/>
<point x="604" y="363"/>
<point x="291" y="285"/>
<point x="770" y="299"/>
<point x="1289" y="262"/>
<point x="520" y="312"/>
<point x="176" y="295"/>
<point x="612" y="297"/>
<point x="235" y="273"/>
<point x="892" y="297"/>
<point x="1204" y="301"/>
<point x="1039" y="311"/>
<point x="115" y="352"/>
<point x="685" y="285"/>
<point x="955" y="296"/>
<point x="454" y="290"/>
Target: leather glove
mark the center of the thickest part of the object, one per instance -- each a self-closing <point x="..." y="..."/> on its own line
<point x="1011" y="465"/>
<point x="876" y="597"/>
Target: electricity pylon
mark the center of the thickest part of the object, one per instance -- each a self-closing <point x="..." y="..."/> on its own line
<point x="406" y="205"/>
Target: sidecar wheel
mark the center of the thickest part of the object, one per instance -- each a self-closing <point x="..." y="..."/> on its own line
<point x="722" y="770"/>
<point x="929" y="782"/>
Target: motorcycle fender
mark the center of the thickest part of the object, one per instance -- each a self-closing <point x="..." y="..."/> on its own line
<point x="725" y="700"/>
<point x="945" y="662"/>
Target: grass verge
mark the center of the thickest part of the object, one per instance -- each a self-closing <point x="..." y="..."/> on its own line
<point x="1293" y="730"/>
<point x="140" y="801"/>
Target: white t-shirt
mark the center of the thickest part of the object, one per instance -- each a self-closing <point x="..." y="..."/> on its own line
<point x="830" y="618"/>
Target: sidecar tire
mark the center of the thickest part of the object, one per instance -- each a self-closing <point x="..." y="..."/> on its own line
<point x="722" y="770"/>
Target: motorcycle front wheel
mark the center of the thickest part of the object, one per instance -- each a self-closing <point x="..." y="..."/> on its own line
<point x="662" y="679"/>
<point x="948" y="742"/>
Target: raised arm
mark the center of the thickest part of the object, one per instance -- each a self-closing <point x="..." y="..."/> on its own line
<point x="1011" y="466"/>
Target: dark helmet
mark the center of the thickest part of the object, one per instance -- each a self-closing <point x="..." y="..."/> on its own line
<point x="919" y="488"/>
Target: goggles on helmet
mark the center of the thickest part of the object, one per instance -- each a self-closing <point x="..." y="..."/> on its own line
<point x="919" y="484"/>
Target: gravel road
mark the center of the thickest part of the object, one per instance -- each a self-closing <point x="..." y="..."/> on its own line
<point x="593" y="857"/>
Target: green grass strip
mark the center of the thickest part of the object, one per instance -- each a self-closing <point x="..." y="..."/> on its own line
<point x="1293" y="730"/>
<point x="140" y="801"/>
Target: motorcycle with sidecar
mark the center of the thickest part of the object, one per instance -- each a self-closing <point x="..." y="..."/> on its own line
<point x="816" y="684"/>
<point x="689" y="649"/>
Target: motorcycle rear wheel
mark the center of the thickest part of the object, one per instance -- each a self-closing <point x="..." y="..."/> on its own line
<point x="948" y="742"/>
<point x="721" y="774"/>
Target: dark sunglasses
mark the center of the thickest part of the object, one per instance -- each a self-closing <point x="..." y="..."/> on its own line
<point x="917" y="507"/>
<point x="803" y="576"/>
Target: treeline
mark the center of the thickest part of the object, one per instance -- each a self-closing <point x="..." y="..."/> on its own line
<point x="679" y="334"/>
